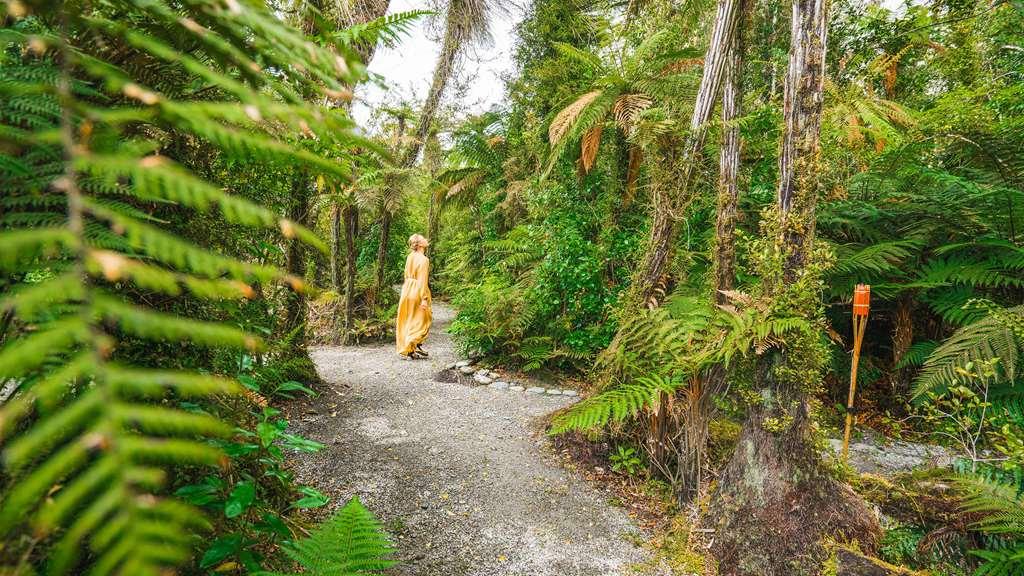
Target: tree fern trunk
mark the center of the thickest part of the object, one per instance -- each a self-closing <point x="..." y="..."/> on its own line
<point x="293" y="326"/>
<point x="678" y="165"/>
<point x="777" y="502"/>
<point x="728" y="170"/>
<point x="382" y="259"/>
<point x="336" y="256"/>
<point x="433" y="224"/>
<point x="350" y="214"/>
<point x="442" y="73"/>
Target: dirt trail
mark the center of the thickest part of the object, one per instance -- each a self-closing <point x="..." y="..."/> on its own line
<point x="458" y="474"/>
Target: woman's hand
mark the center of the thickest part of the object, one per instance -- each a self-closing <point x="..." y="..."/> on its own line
<point x="424" y="304"/>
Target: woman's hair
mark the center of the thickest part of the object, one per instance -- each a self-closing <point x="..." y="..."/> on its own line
<point x="417" y="240"/>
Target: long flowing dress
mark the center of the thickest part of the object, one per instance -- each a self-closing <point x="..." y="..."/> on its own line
<point x="413" y="322"/>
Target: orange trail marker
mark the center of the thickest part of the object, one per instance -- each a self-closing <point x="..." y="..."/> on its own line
<point x="861" y="306"/>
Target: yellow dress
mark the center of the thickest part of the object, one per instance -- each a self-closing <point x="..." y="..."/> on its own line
<point x="413" y="322"/>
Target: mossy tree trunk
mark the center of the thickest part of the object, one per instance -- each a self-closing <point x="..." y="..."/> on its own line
<point x="293" y="325"/>
<point x="336" y="255"/>
<point x="696" y="403"/>
<point x="680" y="162"/>
<point x="350" y="214"/>
<point x="382" y="257"/>
<point x="776" y="501"/>
<point x="728" y="170"/>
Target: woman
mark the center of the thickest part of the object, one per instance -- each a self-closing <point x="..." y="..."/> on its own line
<point x="414" y="315"/>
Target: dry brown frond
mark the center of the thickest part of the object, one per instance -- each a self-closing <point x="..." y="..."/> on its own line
<point x="567" y="117"/>
<point x="589" y="146"/>
<point x="682" y="64"/>
<point x="627" y="108"/>
<point x="471" y="181"/>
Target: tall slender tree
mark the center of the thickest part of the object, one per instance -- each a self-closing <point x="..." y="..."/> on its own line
<point x="777" y="501"/>
<point x="676" y="189"/>
<point x="728" y="169"/>
<point x="466" y="23"/>
<point x="351" y="13"/>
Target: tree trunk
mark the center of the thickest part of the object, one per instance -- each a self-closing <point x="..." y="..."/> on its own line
<point x="696" y="404"/>
<point x="350" y="213"/>
<point x="679" y="165"/>
<point x="442" y="72"/>
<point x="777" y="502"/>
<point x="336" y="281"/>
<point x="433" y="223"/>
<point x="728" y="170"/>
<point x="382" y="258"/>
<point x="293" y="327"/>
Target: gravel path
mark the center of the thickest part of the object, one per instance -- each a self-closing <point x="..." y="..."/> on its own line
<point x="459" y="475"/>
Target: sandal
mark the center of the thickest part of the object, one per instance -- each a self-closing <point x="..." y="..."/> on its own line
<point x="421" y="352"/>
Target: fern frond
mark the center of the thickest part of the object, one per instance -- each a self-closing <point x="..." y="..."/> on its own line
<point x="613" y="405"/>
<point x="981" y="341"/>
<point x="351" y="543"/>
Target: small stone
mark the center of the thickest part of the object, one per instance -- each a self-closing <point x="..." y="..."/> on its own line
<point x="467" y="370"/>
<point x="554" y="391"/>
<point x="535" y="390"/>
<point x="462" y="363"/>
<point x="516" y="388"/>
<point x="499" y="385"/>
<point x="570" y="393"/>
<point x="482" y="379"/>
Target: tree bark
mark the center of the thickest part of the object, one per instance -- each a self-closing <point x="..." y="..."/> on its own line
<point x="336" y="281"/>
<point x="777" y="502"/>
<point x="382" y="257"/>
<point x="350" y="214"/>
<point x="293" y="326"/>
<point x="728" y="170"/>
<point x="680" y="166"/>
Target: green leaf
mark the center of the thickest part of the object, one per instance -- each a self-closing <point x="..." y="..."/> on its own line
<point x="313" y="498"/>
<point x="240" y="499"/>
<point x="221" y="549"/>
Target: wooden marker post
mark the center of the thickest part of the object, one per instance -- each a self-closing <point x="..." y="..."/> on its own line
<point x="861" y="306"/>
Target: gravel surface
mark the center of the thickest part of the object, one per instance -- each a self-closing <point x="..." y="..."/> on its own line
<point x="460" y="475"/>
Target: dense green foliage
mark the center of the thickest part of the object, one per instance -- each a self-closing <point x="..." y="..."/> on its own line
<point x="150" y="153"/>
<point x="922" y="197"/>
<point x="170" y="171"/>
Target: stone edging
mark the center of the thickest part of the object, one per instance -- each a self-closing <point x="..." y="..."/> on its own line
<point x="493" y="380"/>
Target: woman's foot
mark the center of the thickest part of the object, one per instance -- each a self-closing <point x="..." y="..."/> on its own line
<point x="419" y="350"/>
<point x="408" y="355"/>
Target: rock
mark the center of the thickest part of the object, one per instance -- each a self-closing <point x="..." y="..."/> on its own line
<point x="535" y="390"/>
<point x="499" y="385"/>
<point x="893" y="457"/>
<point x="467" y="370"/>
<point x="480" y="378"/>
<point x="516" y="388"/>
<point x="462" y="363"/>
<point x="553" y="392"/>
<point x="570" y="393"/>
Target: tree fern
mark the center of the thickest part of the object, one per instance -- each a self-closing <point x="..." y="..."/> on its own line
<point x="88" y="439"/>
<point x="994" y="336"/>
